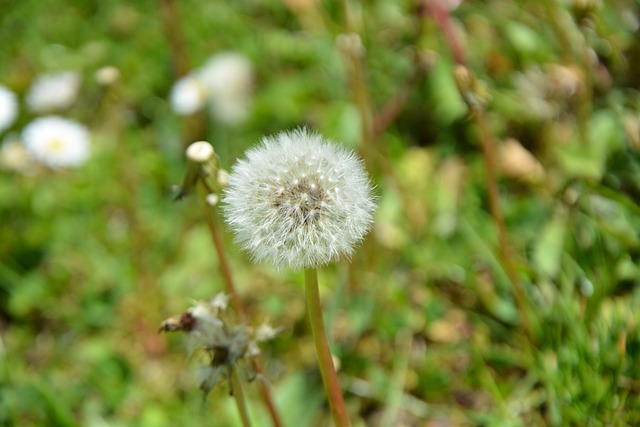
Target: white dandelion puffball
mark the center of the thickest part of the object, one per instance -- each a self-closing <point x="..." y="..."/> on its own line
<point x="57" y="142"/>
<point x="188" y="95"/>
<point x="8" y="108"/>
<point x="56" y="91"/>
<point x="299" y="201"/>
<point x="228" y="77"/>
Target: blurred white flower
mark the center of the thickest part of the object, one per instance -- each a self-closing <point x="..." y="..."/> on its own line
<point x="228" y="77"/>
<point x="57" y="142"/>
<point x="56" y="91"/>
<point x="188" y="95"/>
<point x="13" y="155"/>
<point x="8" y="108"/>
<point x="299" y="201"/>
<point x="106" y="76"/>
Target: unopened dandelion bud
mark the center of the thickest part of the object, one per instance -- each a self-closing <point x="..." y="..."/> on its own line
<point x="474" y="92"/>
<point x="463" y="78"/>
<point x="212" y="199"/>
<point x="223" y="178"/>
<point x="202" y="160"/>
<point x="200" y="152"/>
<point x="299" y="201"/>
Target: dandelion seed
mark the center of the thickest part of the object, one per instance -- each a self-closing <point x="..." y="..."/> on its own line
<point x="57" y="142"/>
<point x="8" y="108"/>
<point x="57" y="91"/>
<point x="283" y="212"/>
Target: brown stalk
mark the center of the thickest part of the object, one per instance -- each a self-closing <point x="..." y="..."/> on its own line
<point x="441" y="16"/>
<point x="236" y="302"/>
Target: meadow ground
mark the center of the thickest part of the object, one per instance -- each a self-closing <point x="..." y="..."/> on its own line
<point x="499" y="284"/>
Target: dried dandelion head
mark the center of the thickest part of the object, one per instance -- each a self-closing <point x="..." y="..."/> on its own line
<point x="212" y="331"/>
<point x="299" y="201"/>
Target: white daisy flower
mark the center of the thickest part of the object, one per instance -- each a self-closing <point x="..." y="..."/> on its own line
<point x="228" y="77"/>
<point x="55" y="91"/>
<point x="8" y="108"/>
<point x="188" y="95"/>
<point x="57" y="142"/>
<point x="299" y="201"/>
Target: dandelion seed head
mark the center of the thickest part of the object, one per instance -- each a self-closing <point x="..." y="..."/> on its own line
<point x="299" y="201"/>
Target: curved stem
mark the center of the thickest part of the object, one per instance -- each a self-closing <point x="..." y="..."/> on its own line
<point x="238" y="395"/>
<point x="328" y="371"/>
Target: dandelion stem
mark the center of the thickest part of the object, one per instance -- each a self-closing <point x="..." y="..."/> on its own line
<point x="223" y="261"/>
<point x="328" y="371"/>
<point x="238" y="394"/>
<point x="236" y="303"/>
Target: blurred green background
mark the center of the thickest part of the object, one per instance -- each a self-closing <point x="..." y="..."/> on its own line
<point x="425" y="319"/>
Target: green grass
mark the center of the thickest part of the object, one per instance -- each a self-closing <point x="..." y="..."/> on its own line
<point x="424" y="319"/>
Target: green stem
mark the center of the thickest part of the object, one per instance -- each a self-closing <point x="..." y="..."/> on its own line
<point x="328" y="371"/>
<point x="238" y="394"/>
